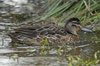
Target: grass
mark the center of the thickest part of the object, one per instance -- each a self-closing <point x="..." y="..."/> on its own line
<point x="86" y="10"/>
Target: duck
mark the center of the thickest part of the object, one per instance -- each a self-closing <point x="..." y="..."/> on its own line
<point x="48" y="33"/>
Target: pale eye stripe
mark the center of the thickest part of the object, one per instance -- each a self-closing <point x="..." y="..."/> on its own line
<point x="74" y="21"/>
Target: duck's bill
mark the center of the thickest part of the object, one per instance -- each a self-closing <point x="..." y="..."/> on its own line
<point x="86" y="30"/>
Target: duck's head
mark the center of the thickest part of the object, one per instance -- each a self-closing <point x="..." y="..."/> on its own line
<point x="73" y="26"/>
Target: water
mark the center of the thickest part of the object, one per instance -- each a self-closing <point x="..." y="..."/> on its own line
<point x="87" y="48"/>
<point x="30" y="55"/>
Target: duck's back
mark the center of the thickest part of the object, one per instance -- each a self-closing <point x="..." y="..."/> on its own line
<point x="37" y="31"/>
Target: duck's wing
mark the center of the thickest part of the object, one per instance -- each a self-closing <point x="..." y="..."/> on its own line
<point x="31" y="31"/>
<point x="29" y="34"/>
<point x="41" y="29"/>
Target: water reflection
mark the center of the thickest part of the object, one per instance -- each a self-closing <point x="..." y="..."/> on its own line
<point x="30" y="55"/>
<point x="32" y="61"/>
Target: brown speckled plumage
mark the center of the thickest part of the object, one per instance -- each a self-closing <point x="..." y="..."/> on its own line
<point x="51" y="31"/>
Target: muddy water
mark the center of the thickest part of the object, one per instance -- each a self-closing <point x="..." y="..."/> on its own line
<point x="35" y="55"/>
<point x="31" y="61"/>
<point x="31" y="55"/>
<point x="24" y="56"/>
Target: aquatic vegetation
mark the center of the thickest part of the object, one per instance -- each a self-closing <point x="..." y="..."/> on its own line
<point x="44" y="44"/>
<point x="77" y="61"/>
